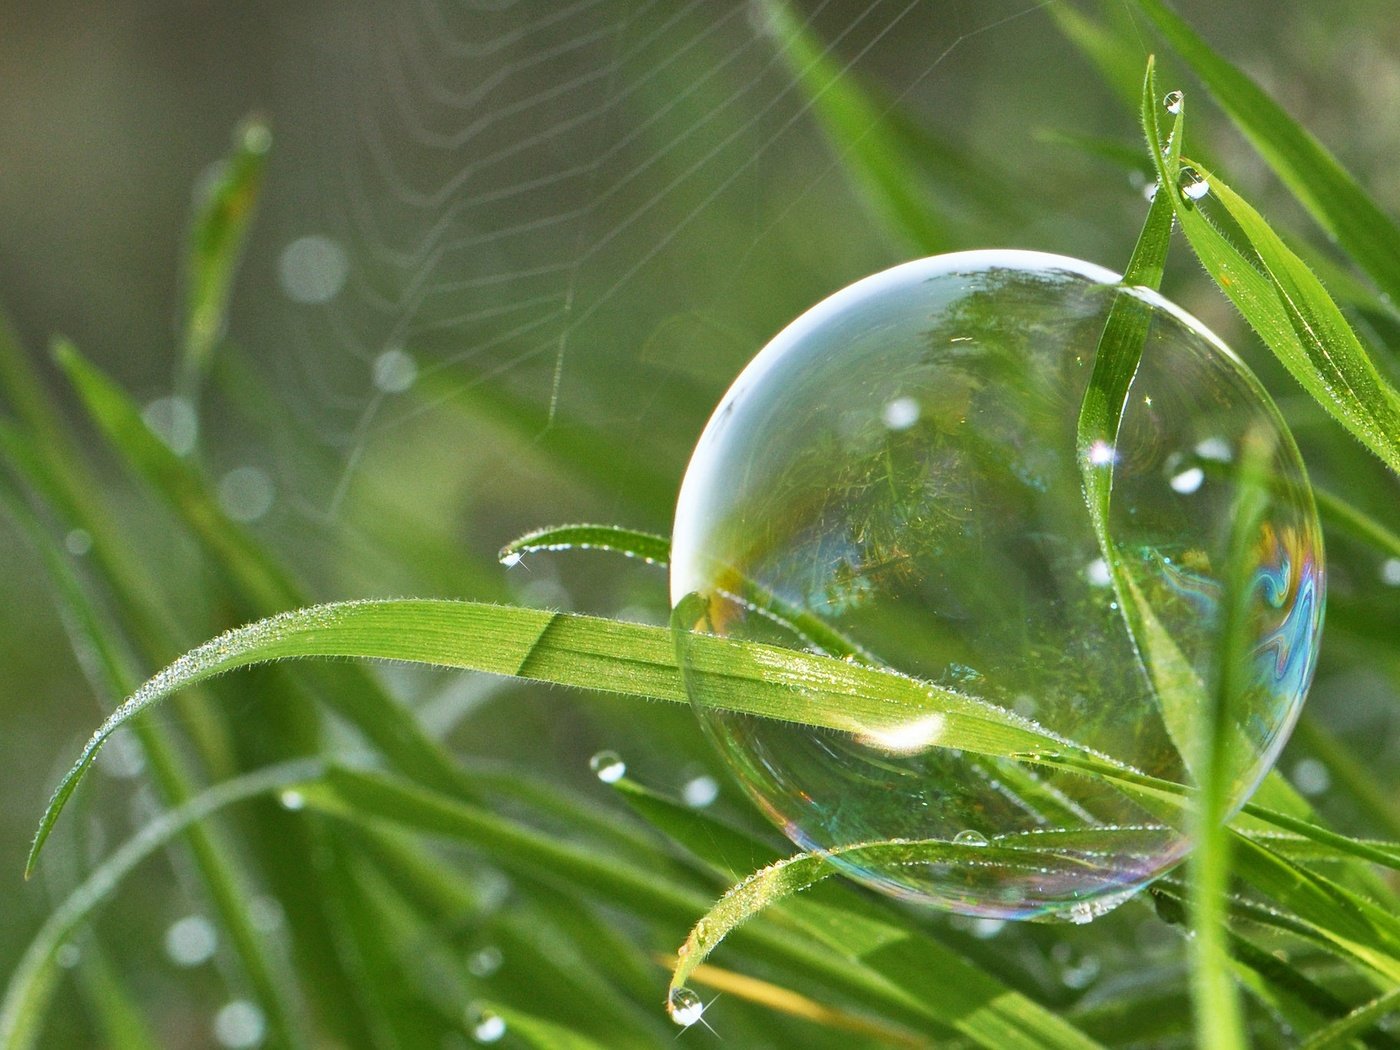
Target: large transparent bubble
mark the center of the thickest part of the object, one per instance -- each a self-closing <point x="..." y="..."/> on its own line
<point x="894" y="479"/>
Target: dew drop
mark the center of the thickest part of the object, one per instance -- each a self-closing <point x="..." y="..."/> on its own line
<point x="266" y="913"/>
<point x="684" y="1007"/>
<point x="68" y="956"/>
<point x="292" y="800"/>
<point x="239" y="1024"/>
<point x="78" y="542"/>
<point x="1098" y="573"/>
<point x="968" y="837"/>
<point x="901" y="413"/>
<point x="313" y="269"/>
<point x="1101" y="454"/>
<point x="1172" y="103"/>
<point x="608" y="766"/>
<point x="191" y="941"/>
<point x="174" y="421"/>
<point x="394" y="371"/>
<point x="246" y="494"/>
<point x="1311" y="777"/>
<point x="1149" y="191"/>
<point x="1390" y="572"/>
<point x="1193" y="184"/>
<point x="487" y="1026"/>
<point x="699" y="792"/>
<point x="485" y="962"/>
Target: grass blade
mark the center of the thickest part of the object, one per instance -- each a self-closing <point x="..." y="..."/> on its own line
<point x="645" y="546"/>
<point x="31" y="984"/>
<point x="1305" y="166"/>
<point x="589" y="653"/>
<point x="1291" y="311"/>
<point x="223" y="216"/>
<point x="1355" y="1023"/>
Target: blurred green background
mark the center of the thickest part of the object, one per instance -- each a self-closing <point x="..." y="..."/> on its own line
<point x="577" y="221"/>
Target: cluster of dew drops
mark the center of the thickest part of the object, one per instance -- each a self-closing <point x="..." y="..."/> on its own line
<point x="1192" y="185"/>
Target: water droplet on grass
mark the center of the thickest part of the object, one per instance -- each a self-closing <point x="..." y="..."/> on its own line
<point x="487" y="1026"/>
<point x="1193" y="184"/>
<point x="970" y="838"/>
<point x="1172" y="103"/>
<point x="684" y="1007"/>
<point x="313" y="269"/>
<point x="608" y="766"/>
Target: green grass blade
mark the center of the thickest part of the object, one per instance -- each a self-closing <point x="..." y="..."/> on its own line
<point x="1305" y="166"/>
<point x="1219" y="1015"/>
<point x="223" y="216"/>
<point x="645" y="546"/>
<point x="1116" y="358"/>
<point x="214" y="861"/>
<point x="1355" y="1023"/>
<point x="874" y="156"/>
<point x="1291" y="311"/>
<point x="589" y="653"/>
<point x="31" y="983"/>
<point x="954" y="992"/>
<point x="948" y="988"/>
<point x="261" y="582"/>
<point x="119" y="1020"/>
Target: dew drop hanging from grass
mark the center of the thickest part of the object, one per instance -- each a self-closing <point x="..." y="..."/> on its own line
<point x="948" y="538"/>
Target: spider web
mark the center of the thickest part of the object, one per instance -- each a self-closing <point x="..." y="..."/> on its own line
<point x="596" y="209"/>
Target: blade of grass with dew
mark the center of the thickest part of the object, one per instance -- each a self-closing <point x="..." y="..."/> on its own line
<point x="558" y="951"/>
<point x="264" y="584"/>
<point x="993" y="1017"/>
<point x="965" y="996"/>
<point x="803" y="623"/>
<point x="1175" y="684"/>
<point x="1291" y="312"/>
<point x="58" y="475"/>
<point x="644" y="546"/>
<point x="1355" y="1023"/>
<point x="223" y="216"/>
<point x="31" y="984"/>
<point x="590" y="653"/>
<point x="1305" y="166"/>
<point x="222" y="879"/>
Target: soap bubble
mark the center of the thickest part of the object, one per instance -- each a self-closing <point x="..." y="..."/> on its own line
<point x="956" y="547"/>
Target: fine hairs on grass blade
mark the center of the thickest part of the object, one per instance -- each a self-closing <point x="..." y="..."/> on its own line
<point x="644" y="546"/>
<point x="592" y="653"/>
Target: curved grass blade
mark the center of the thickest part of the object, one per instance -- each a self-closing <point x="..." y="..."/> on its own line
<point x="590" y="653"/>
<point x="644" y="546"/>
<point x="31" y="983"/>
<point x="1304" y="165"/>
<point x="220" y="874"/>
<point x="974" y="1002"/>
